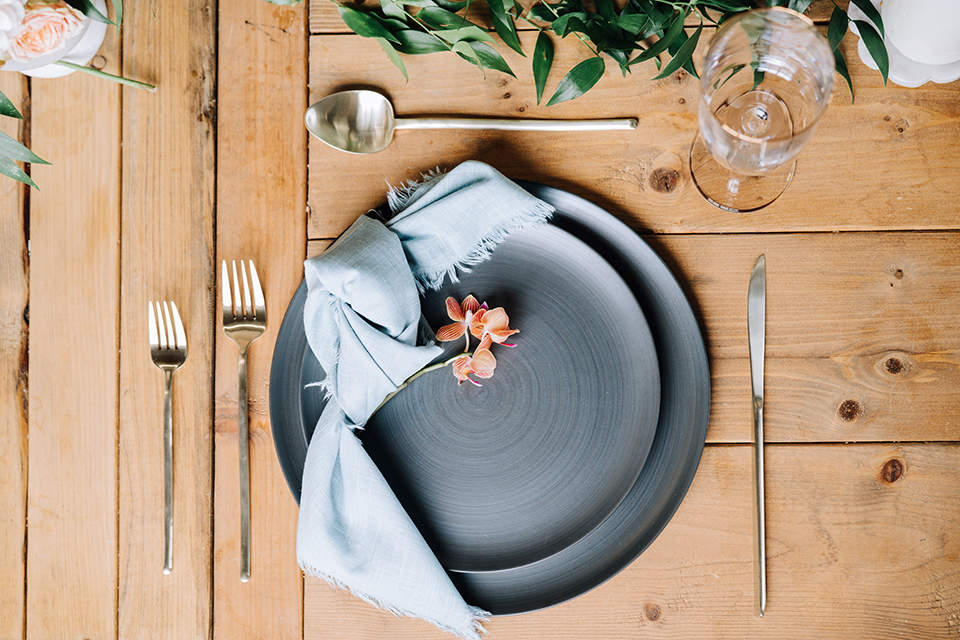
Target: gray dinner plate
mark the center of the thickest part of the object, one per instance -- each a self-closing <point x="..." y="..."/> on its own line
<point x="609" y="545"/>
<point x="513" y="471"/>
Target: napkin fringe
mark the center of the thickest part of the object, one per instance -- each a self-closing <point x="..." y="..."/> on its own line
<point x="477" y="615"/>
<point x="399" y="197"/>
<point x="538" y="214"/>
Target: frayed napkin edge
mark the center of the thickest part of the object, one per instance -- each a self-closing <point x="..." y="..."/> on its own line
<point x="477" y="615"/>
<point x="399" y="198"/>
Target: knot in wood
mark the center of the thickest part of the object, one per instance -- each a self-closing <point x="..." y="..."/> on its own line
<point x="892" y="471"/>
<point x="894" y="366"/>
<point x="664" y="180"/>
<point x="849" y="410"/>
<point x="652" y="612"/>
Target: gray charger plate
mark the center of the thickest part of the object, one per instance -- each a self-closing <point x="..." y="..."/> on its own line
<point x="666" y="474"/>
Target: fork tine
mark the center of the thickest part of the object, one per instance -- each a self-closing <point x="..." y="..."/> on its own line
<point x="161" y="329"/>
<point x="178" y="327"/>
<point x="152" y="327"/>
<point x="169" y="325"/>
<point x="225" y="291"/>
<point x="247" y="304"/>
<point x="260" y="309"/>
<point x="238" y="311"/>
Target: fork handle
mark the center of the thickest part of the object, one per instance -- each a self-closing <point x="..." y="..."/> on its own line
<point x="167" y="471"/>
<point x="244" y="437"/>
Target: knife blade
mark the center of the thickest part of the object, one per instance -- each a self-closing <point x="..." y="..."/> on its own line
<point x="756" y="321"/>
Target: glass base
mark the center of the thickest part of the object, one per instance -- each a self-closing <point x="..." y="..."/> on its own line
<point x="733" y="191"/>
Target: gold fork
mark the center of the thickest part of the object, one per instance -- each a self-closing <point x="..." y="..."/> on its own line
<point x="243" y="322"/>
<point x="168" y="349"/>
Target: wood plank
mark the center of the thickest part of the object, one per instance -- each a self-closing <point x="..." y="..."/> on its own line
<point x="863" y="344"/>
<point x="167" y="254"/>
<point x="324" y="17"/>
<point x="74" y="341"/>
<point x="14" y="272"/>
<point x="261" y="204"/>
<point x="906" y="143"/>
<point x="824" y="504"/>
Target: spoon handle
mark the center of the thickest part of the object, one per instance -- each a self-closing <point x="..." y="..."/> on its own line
<point x="622" y="124"/>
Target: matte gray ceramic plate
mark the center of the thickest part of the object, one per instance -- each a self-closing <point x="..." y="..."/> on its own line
<point x="665" y="476"/>
<point x="516" y="470"/>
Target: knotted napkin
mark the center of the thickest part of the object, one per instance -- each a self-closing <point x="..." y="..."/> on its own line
<point x="363" y="322"/>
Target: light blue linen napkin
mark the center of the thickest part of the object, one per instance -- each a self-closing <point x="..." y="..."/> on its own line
<point x="363" y="322"/>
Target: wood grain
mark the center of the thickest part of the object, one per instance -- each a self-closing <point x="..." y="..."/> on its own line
<point x="14" y="273"/>
<point x="906" y="144"/>
<point x="73" y="361"/>
<point x="167" y="254"/>
<point x="824" y="503"/>
<point x="261" y="200"/>
<point x="324" y="17"/>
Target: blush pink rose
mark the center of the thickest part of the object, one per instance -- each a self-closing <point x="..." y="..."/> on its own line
<point x="46" y="27"/>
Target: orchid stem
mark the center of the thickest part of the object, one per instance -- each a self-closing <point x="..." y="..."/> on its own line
<point x="108" y="76"/>
<point x="433" y="367"/>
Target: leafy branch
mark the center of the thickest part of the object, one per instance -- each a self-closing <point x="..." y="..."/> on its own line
<point x="641" y="31"/>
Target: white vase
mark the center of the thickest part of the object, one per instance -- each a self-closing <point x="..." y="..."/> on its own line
<point x="79" y="49"/>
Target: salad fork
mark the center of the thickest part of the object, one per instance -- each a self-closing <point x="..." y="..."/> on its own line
<point x="168" y="349"/>
<point x="243" y="322"/>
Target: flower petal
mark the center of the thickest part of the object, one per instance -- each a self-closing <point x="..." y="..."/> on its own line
<point x="453" y="310"/>
<point x="484" y="363"/>
<point x="450" y="332"/>
<point x="470" y="304"/>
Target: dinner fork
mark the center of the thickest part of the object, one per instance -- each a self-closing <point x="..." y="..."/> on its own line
<point x="168" y="349"/>
<point x="243" y="322"/>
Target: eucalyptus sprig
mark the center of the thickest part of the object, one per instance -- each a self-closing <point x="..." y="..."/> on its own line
<point x="640" y="31"/>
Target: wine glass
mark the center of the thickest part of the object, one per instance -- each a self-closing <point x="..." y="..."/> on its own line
<point x="766" y="81"/>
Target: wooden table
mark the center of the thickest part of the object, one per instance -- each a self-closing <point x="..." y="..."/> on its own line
<point x="147" y="193"/>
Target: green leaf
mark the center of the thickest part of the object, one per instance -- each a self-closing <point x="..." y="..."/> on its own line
<point x="470" y="33"/>
<point x="542" y="62"/>
<point x="365" y="24"/>
<point x="450" y="6"/>
<point x="10" y="168"/>
<point x="8" y="109"/>
<point x="437" y="18"/>
<point x="393" y="9"/>
<point x="633" y="23"/>
<point x="414" y="42"/>
<point x="561" y="26"/>
<point x="684" y="55"/>
<point x="842" y="70"/>
<point x="91" y="11"/>
<point x="484" y="56"/>
<point x="676" y="28"/>
<point x="674" y="48"/>
<point x="875" y="46"/>
<point x="10" y="148"/>
<point x="605" y="10"/>
<point x="394" y="56"/>
<point x="871" y="12"/>
<point x="504" y="26"/>
<point x="580" y="80"/>
<point x="837" y="28"/>
<point x="463" y="50"/>
<point x="118" y="12"/>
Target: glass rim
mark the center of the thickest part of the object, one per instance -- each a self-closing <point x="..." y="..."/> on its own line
<point x="778" y="139"/>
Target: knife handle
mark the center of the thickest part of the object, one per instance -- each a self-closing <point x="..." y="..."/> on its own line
<point x="760" y="549"/>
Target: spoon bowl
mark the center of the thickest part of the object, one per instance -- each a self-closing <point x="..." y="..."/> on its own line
<point x="363" y="121"/>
